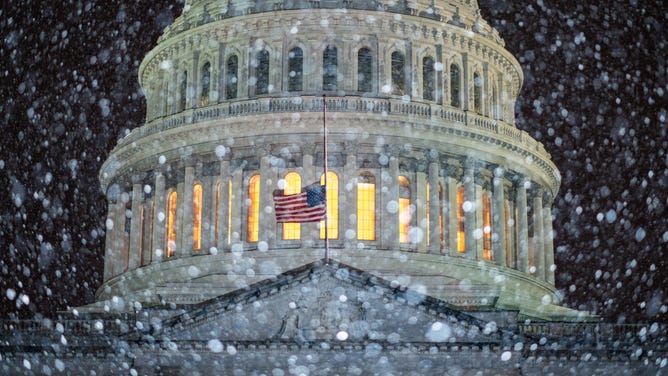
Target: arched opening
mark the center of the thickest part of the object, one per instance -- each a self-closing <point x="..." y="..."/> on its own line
<point x="253" y="214"/>
<point x="486" y="228"/>
<point x="364" y="70"/>
<point x="171" y="223"/>
<point x="295" y="69"/>
<point x="231" y="77"/>
<point x="398" y="73"/>
<point x="477" y="92"/>
<point x="293" y="185"/>
<point x="404" y="209"/>
<point x="329" y="68"/>
<point x="332" y="206"/>
<point x="183" y="91"/>
<point x="428" y="79"/>
<point x="455" y="86"/>
<point x="262" y="73"/>
<point x="366" y="207"/>
<point x="197" y="217"/>
<point x="461" y="238"/>
<point x="205" y="84"/>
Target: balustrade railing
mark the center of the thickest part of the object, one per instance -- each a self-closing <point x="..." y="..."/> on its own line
<point x="385" y="106"/>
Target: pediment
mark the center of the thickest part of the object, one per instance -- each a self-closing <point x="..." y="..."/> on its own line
<point x="327" y="302"/>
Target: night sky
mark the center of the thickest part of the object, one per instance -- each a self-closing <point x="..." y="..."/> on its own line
<point x="595" y="94"/>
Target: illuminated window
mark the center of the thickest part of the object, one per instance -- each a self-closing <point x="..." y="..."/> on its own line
<point x="262" y="73"/>
<point x="428" y="80"/>
<point x="455" y="86"/>
<point x="404" y="209"/>
<point x="171" y="224"/>
<point x="366" y="207"/>
<point x="253" y="218"/>
<point x="183" y="82"/>
<point x="486" y="228"/>
<point x="461" y="239"/>
<point x="296" y="69"/>
<point x="477" y="92"/>
<point x="216" y="209"/>
<point x="197" y="216"/>
<point x="231" y="77"/>
<point x="293" y="184"/>
<point x="205" y="84"/>
<point x="398" y="73"/>
<point x="332" y="206"/>
<point x="329" y="68"/>
<point x="364" y="70"/>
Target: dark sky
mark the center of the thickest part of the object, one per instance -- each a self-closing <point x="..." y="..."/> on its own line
<point x="595" y="94"/>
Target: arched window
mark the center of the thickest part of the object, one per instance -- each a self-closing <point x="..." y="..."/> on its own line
<point x="253" y="215"/>
<point x="205" y="84"/>
<point x="366" y="207"/>
<point x="183" y="91"/>
<point x="486" y="228"/>
<point x="296" y="69"/>
<point x="364" y="70"/>
<point x="477" y="92"/>
<point x="455" y="86"/>
<point x="398" y="73"/>
<point x="293" y="185"/>
<point x="171" y="224"/>
<point x="461" y="238"/>
<point x="404" y="209"/>
<point x="428" y="79"/>
<point x="332" y="206"/>
<point x="231" y="77"/>
<point x="262" y="73"/>
<point x="197" y="217"/>
<point x="329" y="68"/>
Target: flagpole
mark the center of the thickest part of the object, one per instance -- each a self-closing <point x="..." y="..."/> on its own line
<point x="324" y="129"/>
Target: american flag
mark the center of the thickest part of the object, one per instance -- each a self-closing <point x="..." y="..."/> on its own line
<point x="307" y="206"/>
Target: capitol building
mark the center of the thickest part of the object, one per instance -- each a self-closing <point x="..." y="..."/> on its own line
<point x="437" y="255"/>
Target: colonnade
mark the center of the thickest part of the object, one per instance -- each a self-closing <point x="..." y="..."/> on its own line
<point x="519" y="234"/>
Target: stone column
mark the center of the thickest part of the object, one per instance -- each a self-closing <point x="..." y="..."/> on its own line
<point x="237" y="206"/>
<point x="120" y="254"/>
<point x="134" y="259"/>
<point x="523" y="227"/>
<point x="267" y="221"/>
<point x="470" y="210"/>
<point x="420" y="204"/>
<point x="390" y="219"/>
<point x="188" y="205"/>
<point x="146" y="231"/>
<point x="110" y="227"/>
<point x="498" y="218"/>
<point x="159" y="218"/>
<point x="434" y="209"/>
<point x="208" y="215"/>
<point x="349" y="212"/>
<point x="192" y="88"/>
<point x="482" y="179"/>
<point x="222" y="216"/>
<point x="453" y="209"/>
<point x="511" y="231"/>
<point x="309" y="231"/>
<point x="465" y="79"/>
<point x="539" y="239"/>
<point x="549" y="244"/>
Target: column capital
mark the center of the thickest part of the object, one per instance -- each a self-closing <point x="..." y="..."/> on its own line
<point x="308" y="149"/>
<point x="432" y="156"/>
<point x="453" y="167"/>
